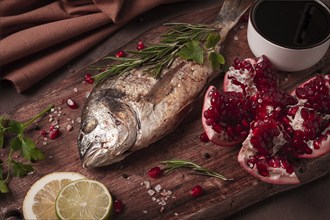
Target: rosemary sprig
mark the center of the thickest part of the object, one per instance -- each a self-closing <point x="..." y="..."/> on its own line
<point x="191" y="42"/>
<point x="171" y="165"/>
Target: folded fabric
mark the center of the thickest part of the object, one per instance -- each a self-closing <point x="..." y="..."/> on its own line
<point x="38" y="37"/>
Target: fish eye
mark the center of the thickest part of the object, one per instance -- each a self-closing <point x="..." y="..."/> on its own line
<point x="89" y="125"/>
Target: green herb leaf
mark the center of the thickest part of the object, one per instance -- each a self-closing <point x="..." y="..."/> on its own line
<point x="3" y="187"/>
<point x="20" y="169"/>
<point x="16" y="144"/>
<point x="216" y="60"/>
<point x="212" y="40"/>
<point x="29" y="150"/>
<point x="16" y="127"/>
<point x="2" y="131"/>
<point x="192" y="51"/>
<point x="184" y="40"/>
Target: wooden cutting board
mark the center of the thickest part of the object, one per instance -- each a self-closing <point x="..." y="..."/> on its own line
<point x="125" y="179"/>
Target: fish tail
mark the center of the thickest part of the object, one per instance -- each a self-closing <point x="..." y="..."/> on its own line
<point x="230" y="13"/>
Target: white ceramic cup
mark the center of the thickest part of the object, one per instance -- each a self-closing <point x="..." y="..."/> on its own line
<point x="283" y="58"/>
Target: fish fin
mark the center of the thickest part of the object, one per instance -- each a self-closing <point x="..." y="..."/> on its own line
<point x="163" y="86"/>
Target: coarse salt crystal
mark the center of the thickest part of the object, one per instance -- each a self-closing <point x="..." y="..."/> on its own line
<point x="162" y="209"/>
<point x="151" y="192"/>
<point x="69" y="127"/>
<point x="75" y="89"/>
<point x="235" y="37"/>
<point x="145" y="211"/>
<point x="158" y="187"/>
<point x="176" y="214"/>
<point x="147" y="184"/>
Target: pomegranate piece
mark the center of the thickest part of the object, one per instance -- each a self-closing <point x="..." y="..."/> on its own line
<point x="225" y="117"/>
<point x="118" y="206"/>
<point x="54" y="133"/>
<point x="315" y="93"/>
<point x="204" y="138"/>
<point x="263" y="153"/>
<point x="155" y="172"/>
<point x="249" y="76"/>
<point x="274" y="127"/>
<point x="196" y="191"/>
<point x="88" y="78"/>
<point x="140" y="45"/>
<point x="120" y="53"/>
<point x="72" y="104"/>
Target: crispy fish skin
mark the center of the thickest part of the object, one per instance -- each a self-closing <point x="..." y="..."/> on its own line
<point x="127" y="113"/>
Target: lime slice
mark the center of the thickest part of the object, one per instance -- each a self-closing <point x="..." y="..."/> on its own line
<point x="84" y="199"/>
<point x="39" y="202"/>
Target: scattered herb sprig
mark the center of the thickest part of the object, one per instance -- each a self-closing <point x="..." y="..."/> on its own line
<point x="171" y="165"/>
<point x="20" y="143"/>
<point x="188" y="41"/>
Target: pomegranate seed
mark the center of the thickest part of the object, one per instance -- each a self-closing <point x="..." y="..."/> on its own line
<point x="118" y="206"/>
<point x="72" y="104"/>
<point x="54" y="133"/>
<point x="196" y="191"/>
<point x="140" y="45"/>
<point x="89" y="79"/>
<point x="154" y="172"/>
<point x="44" y="133"/>
<point x="120" y="53"/>
<point x="204" y="138"/>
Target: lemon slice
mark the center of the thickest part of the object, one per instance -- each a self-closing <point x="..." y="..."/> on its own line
<point x="39" y="202"/>
<point x="84" y="199"/>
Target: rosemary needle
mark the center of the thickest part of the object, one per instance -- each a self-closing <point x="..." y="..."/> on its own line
<point x="171" y="165"/>
<point x="181" y="40"/>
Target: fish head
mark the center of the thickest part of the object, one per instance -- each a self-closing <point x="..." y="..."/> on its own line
<point x="108" y="130"/>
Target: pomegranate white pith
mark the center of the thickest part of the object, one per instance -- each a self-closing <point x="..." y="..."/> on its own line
<point x="274" y="127"/>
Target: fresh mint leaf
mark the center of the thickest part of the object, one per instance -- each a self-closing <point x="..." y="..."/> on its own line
<point x="192" y="51"/>
<point x="20" y="169"/>
<point x="212" y="40"/>
<point x="3" y="187"/>
<point x="216" y="60"/>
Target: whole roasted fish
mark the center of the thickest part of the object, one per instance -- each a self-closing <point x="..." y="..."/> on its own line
<point x="126" y="113"/>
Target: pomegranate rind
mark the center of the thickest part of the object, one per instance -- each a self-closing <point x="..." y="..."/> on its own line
<point x="325" y="143"/>
<point x="220" y="139"/>
<point x="279" y="179"/>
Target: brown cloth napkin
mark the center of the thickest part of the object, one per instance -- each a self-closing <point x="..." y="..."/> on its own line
<point x="38" y="37"/>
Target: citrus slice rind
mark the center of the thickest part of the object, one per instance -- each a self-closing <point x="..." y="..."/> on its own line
<point x="39" y="202"/>
<point x="84" y="199"/>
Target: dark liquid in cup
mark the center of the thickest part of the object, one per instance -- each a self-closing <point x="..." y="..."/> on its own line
<point x="292" y="24"/>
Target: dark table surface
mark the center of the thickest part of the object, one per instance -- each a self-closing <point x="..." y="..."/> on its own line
<point x="310" y="201"/>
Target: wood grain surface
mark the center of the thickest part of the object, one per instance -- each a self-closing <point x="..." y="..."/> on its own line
<point x="220" y="199"/>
